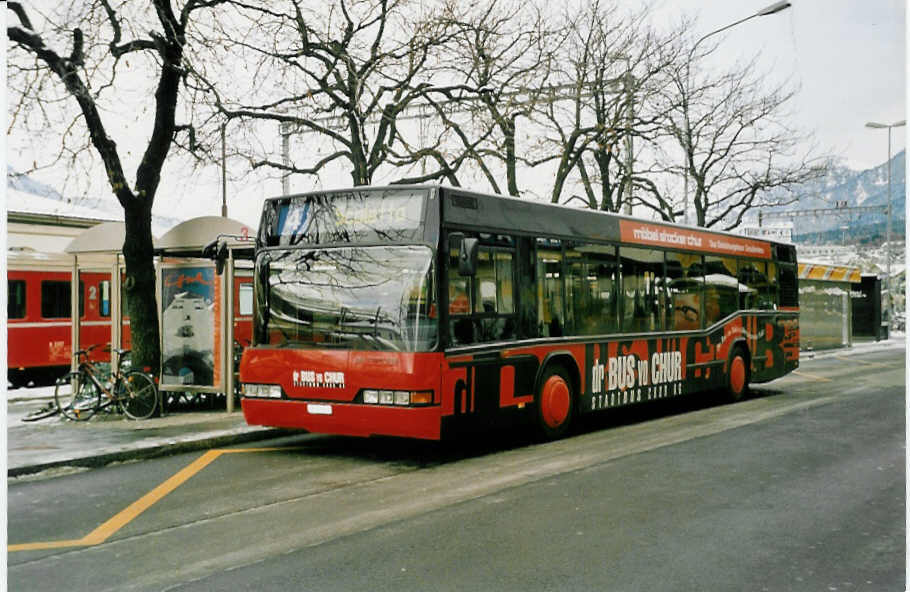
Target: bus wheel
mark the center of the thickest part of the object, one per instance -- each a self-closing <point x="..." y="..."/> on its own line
<point x="738" y="375"/>
<point x="555" y="403"/>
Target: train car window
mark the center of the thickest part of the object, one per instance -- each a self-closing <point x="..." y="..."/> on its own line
<point x="16" y="302"/>
<point x="55" y="299"/>
<point x="245" y="304"/>
<point x="104" y="306"/>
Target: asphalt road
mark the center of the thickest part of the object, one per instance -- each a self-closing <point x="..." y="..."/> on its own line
<point x="800" y="487"/>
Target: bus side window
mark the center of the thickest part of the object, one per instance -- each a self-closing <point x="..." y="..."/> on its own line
<point x="642" y="282"/>
<point x="550" y="288"/>
<point x="721" y="288"/>
<point x="482" y="306"/>
<point x="753" y="285"/>
<point x="771" y="294"/>
<point x="685" y="280"/>
<point x="459" y="292"/>
<point x="590" y="289"/>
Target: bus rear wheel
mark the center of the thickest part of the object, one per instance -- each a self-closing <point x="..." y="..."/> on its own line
<point x="738" y="375"/>
<point x="555" y="403"/>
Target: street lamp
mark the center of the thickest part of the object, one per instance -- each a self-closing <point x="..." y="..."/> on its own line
<point x="875" y="125"/>
<point x="767" y="10"/>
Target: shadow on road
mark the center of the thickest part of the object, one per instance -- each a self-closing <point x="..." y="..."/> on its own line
<point x="474" y="442"/>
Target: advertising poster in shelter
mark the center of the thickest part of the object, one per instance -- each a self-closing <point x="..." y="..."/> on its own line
<point x="189" y="326"/>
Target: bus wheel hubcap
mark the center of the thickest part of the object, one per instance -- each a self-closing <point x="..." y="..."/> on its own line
<point x="554" y="401"/>
<point x="737" y="375"/>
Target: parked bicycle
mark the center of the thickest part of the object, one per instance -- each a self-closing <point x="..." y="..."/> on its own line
<point x="80" y="394"/>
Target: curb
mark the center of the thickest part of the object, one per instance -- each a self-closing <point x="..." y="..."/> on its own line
<point x="147" y="452"/>
<point x="862" y="347"/>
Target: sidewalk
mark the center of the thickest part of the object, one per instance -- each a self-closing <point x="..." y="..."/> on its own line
<point x="33" y="447"/>
<point x="897" y="340"/>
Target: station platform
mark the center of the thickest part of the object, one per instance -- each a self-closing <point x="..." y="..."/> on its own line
<point x="56" y="444"/>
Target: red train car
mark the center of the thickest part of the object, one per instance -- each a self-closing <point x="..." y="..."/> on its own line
<point x="39" y="329"/>
<point x="39" y="333"/>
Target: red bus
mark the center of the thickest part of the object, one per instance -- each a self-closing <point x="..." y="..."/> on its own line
<point x="416" y="310"/>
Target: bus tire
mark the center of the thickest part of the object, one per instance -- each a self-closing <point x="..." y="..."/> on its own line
<point x="555" y="403"/>
<point x="738" y="375"/>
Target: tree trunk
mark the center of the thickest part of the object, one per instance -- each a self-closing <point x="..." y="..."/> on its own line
<point x="140" y="288"/>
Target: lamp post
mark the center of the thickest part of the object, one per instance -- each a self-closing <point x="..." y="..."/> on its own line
<point x="887" y="126"/>
<point x="768" y="10"/>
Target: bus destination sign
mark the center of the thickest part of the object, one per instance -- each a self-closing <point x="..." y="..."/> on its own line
<point x="658" y="235"/>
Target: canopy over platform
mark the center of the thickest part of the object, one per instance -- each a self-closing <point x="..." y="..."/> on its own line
<point x="106" y="237"/>
<point x="188" y="239"/>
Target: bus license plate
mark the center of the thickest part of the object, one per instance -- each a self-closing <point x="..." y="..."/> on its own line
<point x="317" y="409"/>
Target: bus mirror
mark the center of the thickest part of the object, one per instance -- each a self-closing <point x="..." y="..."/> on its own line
<point x="467" y="256"/>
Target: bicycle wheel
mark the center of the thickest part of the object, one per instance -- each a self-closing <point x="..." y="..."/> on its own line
<point x="47" y="411"/>
<point x="76" y="396"/>
<point x="138" y="395"/>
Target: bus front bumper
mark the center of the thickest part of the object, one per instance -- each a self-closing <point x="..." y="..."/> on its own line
<point x="344" y="419"/>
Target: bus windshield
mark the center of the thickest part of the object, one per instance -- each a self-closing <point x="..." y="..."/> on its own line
<point x="365" y="298"/>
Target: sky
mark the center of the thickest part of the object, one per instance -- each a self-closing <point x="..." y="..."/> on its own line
<point x="848" y="58"/>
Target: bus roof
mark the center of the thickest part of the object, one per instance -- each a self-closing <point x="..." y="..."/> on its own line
<point x="490" y="212"/>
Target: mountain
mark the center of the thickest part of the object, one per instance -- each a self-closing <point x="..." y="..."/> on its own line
<point x="856" y="188"/>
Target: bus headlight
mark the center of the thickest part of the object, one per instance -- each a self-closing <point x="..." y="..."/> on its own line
<point x="271" y="391"/>
<point x="398" y="398"/>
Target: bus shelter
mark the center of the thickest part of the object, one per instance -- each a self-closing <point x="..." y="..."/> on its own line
<point x="205" y="315"/>
<point x="825" y="308"/>
<point x="98" y="250"/>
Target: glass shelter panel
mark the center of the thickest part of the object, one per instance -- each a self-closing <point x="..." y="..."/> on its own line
<point x="188" y="325"/>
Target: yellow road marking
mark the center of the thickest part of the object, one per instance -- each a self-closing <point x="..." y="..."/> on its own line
<point x="855" y="361"/>
<point x="811" y="376"/>
<point x="128" y="514"/>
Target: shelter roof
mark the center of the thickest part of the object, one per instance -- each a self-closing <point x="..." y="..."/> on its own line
<point x="106" y="237"/>
<point x="191" y="236"/>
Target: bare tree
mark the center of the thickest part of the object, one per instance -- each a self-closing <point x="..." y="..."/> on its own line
<point x="500" y="61"/>
<point x="739" y="152"/>
<point x="610" y="62"/>
<point x="80" y="55"/>
<point x="342" y="72"/>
